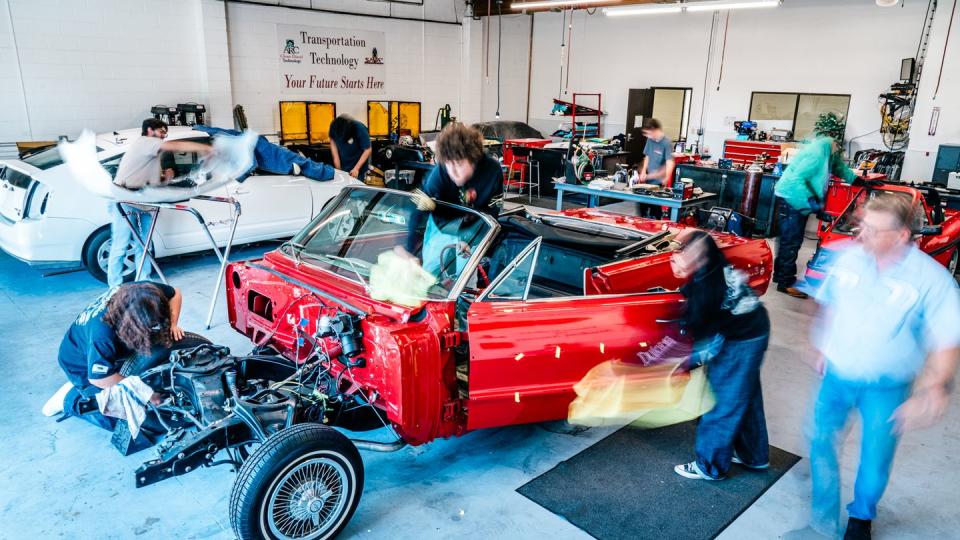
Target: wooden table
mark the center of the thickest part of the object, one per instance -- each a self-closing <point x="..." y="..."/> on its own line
<point x="624" y="194"/>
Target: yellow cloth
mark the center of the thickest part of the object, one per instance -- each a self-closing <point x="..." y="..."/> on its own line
<point x="399" y="280"/>
<point x="615" y="392"/>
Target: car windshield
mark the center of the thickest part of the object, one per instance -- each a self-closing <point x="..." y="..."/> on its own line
<point x="362" y="224"/>
<point x="849" y="221"/>
<point x="45" y="159"/>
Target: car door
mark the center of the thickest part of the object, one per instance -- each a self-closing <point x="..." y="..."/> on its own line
<point x="527" y="354"/>
<point x="273" y="206"/>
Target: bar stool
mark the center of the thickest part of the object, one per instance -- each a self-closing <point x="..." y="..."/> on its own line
<point x="526" y="166"/>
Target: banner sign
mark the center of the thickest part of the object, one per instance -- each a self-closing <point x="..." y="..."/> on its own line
<point x="330" y="60"/>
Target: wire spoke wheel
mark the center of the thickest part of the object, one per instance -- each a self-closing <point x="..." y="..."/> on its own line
<point x="306" y="501"/>
<point x="303" y="483"/>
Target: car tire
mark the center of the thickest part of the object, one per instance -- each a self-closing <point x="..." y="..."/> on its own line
<point x="95" y="256"/>
<point x="136" y="365"/>
<point x="293" y="461"/>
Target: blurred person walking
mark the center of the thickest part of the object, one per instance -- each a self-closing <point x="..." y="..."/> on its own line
<point x="725" y="317"/>
<point x="800" y="192"/>
<point x="887" y="336"/>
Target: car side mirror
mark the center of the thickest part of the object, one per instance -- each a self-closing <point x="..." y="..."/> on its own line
<point x="930" y="230"/>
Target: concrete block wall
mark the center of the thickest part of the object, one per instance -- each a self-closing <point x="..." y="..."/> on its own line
<point x="817" y="46"/>
<point x="98" y="64"/>
<point x="101" y="64"/>
<point x="423" y="62"/>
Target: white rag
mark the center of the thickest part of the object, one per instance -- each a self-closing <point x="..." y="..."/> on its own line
<point x="127" y="401"/>
<point x="232" y="157"/>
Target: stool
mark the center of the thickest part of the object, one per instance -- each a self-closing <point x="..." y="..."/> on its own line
<point x="526" y="166"/>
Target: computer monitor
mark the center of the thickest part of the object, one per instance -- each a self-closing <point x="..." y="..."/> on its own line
<point x="907" y="69"/>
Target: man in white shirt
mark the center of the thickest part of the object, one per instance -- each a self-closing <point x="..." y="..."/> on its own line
<point x="140" y="167"/>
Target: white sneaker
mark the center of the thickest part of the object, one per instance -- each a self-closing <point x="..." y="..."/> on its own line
<point x="54" y="405"/>
<point x="692" y="470"/>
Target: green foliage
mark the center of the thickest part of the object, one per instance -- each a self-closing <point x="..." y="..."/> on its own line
<point x="830" y="124"/>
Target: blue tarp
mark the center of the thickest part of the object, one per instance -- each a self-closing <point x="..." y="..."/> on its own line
<point x="276" y="159"/>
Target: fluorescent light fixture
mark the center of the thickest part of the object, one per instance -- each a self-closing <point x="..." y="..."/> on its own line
<point x="644" y="9"/>
<point x="554" y="3"/>
<point x="716" y="5"/>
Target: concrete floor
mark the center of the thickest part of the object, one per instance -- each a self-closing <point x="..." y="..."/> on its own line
<point x="64" y="480"/>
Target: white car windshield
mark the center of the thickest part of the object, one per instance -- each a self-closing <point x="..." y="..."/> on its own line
<point x="349" y="237"/>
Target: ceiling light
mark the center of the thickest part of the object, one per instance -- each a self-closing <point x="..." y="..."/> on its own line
<point x="536" y="4"/>
<point x="647" y="9"/>
<point x="716" y="5"/>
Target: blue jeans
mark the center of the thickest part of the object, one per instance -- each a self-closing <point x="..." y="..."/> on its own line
<point x="737" y="421"/>
<point x="791" y="224"/>
<point x="121" y="237"/>
<point x="876" y="402"/>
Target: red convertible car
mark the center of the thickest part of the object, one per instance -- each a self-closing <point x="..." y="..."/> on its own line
<point x="938" y="229"/>
<point x="520" y="310"/>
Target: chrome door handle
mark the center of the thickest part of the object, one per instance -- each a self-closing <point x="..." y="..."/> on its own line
<point x="669" y="321"/>
<point x="241" y="192"/>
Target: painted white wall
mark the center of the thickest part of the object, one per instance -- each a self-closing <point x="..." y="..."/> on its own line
<point x="101" y="64"/>
<point x="821" y="46"/>
<point x="423" y="61"/>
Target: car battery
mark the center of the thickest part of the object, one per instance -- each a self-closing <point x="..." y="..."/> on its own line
<point x="683" y="189"/>
<point x="406" y="176"/>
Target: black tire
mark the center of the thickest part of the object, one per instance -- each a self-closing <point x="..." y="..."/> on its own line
<point x="94" y="251"/>
<point x="268" y="471"/>
<point x="137" y="364"/>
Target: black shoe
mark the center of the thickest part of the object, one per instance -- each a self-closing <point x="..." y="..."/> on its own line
<point x="792" y="291"/>
<point x="857" y="529"/>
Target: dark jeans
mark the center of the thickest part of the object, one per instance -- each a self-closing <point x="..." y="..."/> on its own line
<point x="791" y="223"/>
<point x="83" y="391"/>
<point x="736" y="422"/>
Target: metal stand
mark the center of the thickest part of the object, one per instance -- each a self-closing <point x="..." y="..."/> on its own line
<point x="224" y="256"/>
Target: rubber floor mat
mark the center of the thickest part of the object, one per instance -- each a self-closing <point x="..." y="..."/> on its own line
<point x="624" y="487"/>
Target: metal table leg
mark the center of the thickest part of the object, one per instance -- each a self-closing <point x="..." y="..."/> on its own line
<point x="559" y="199"/>
<point x="674" y="214"/>
<point x="223" y="256"/>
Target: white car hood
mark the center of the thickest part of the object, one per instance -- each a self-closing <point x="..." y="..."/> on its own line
<point x="231" y="157"/>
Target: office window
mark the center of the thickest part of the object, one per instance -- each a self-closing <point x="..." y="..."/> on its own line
<point x="795" y="111"/>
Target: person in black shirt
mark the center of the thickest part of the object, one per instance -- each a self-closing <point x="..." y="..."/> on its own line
<point x="350" y="145"/>
<point x="464" y="176"/>
<point x="724" y="315"/>
<point x="134" y="318"/>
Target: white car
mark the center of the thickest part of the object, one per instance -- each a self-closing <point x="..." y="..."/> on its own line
<point x="50" y="229"/>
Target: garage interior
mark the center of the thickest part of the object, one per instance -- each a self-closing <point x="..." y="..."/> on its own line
<point x="562" y="92"/>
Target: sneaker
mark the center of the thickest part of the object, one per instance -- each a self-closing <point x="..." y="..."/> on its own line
<point x="793" y="291"/>
<point x="736" y="459"/>
<point x="857" y="529"/>
<point x="691" y="470"/>
<point x="54" y="405"/>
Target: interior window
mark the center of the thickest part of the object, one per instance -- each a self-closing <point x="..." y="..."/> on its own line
<point x="795" y="111"/>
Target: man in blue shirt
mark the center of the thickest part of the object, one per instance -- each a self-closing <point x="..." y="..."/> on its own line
<point x="350" y="145"/>
<point x="658" y="163"/>
<point x="466" y="176"/>
<point x="888" y="338"/>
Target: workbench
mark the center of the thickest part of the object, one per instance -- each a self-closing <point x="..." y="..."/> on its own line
<point x="622" y="193"/>
<point x="728" y="185"/>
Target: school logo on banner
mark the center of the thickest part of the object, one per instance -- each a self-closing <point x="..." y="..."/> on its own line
<point x="291" y="53"/>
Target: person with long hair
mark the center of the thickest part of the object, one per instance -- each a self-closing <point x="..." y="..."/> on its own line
<point x="724" y="315"/>
<point x="140" y="318"/>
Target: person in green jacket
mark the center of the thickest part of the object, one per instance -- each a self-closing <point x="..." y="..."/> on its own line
<point x="800" y="192"/>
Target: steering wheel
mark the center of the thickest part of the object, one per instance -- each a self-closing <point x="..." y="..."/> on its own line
<point x="444" y="274"/>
